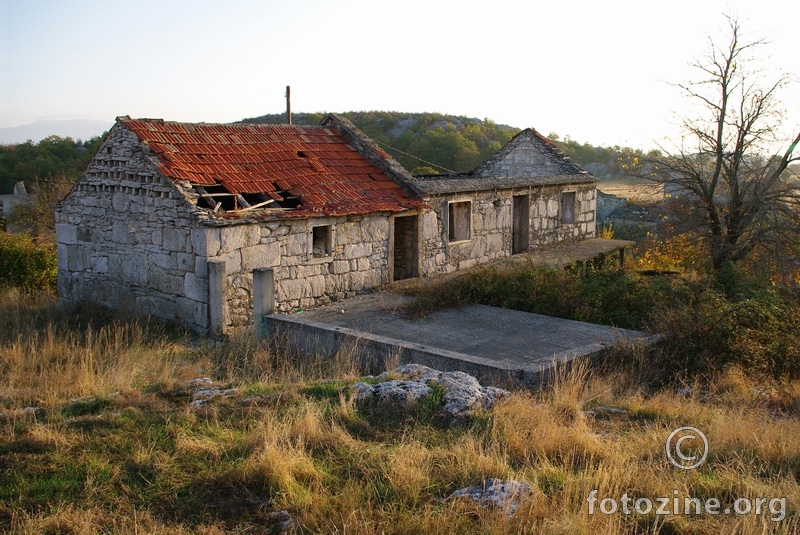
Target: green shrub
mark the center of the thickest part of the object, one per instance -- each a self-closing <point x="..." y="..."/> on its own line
<point x="26" y="265"/>
<point x="708" y="321"/>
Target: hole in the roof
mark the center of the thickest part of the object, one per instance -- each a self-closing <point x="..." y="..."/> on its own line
<point x="302" y="154"/>
<point x="216" y="194"/>
<point x="288" y="200"/>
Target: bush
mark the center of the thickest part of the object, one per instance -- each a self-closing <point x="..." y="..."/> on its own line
<point x="709" y="321"/>
<point x="26" y="265"/>
<point x="607" y="296"/>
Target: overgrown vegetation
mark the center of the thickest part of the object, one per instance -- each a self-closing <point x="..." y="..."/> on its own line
<point x="35" y="163"/>
<point x="709" y="320"/>
<point x="25" y="264"/>
<point x="97" y="434"/>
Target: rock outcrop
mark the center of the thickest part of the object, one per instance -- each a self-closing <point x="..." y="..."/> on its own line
<point x="409" y="383"/>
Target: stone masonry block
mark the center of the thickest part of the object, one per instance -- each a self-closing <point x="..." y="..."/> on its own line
<point x="233" y="261"/>
<point x="175" y="240"/>
<point x="316" y="285"/>
<point x="261" y="256"/>
<point x="195" y="288"/>
<point x="289" y="289"/>
<point x="337" y="267"/>
<point x="78" y="258"/>
<point x="62" y="257"/>
<point x="66" y="234"/>
<point x="297" y="244"/>
<point x="201" y="267"/>
<point x="163" y="260"/>
<point x="119" y="233"/>
<point x="164" y="282"/>
<point x="205" y="241"/>
<point x="232" y="238"/>
<point x="100" y="264"/>
<point x="252" y="235"/>
<point x="184" y="261"/>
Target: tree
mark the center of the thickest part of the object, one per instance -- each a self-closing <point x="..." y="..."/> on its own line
<point x="727" y="168"/>
<point x="38" y="217"/>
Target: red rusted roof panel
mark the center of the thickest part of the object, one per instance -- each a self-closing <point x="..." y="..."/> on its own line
<point x="316" y="164"/>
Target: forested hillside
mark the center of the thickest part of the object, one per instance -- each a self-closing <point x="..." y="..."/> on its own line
<point x="37" y="162"/>
<point x="423" y="143"/>
<point x="433" y="142"/>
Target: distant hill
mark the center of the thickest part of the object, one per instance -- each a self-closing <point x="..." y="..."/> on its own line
<point x="433" y="142"/>
<point x="424" y="143"/>
<point x="75" y="128"/>
<point x="421" y="142"/>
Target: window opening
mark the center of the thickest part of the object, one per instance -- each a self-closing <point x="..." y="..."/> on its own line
<point x="459" y="219"/>
<point x="568" y="207"/>
<point x="321" y="242"/>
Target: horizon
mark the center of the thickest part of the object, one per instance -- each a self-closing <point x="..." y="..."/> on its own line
<point x="598" y="73"/>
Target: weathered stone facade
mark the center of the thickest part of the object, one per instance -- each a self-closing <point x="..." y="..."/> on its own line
<point x="492" y="225"/>
<point x="125" y="238"/>
<point x="130" y="235"/>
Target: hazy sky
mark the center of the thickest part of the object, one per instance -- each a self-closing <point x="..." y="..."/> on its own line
<point x="596" y="71"/>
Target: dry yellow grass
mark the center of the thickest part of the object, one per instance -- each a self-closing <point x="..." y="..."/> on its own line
<point x="143" y="461"/>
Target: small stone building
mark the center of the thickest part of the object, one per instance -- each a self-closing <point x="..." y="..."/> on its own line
<point x="7" y="205"/>
<point x="175" y="219"/>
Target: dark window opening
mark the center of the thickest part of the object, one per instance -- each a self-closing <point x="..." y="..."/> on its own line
<point x="459" y="220"/>
<point x="321" y="241"/>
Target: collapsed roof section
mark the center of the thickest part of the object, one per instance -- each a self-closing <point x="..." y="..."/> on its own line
<point x="262" y="170"/>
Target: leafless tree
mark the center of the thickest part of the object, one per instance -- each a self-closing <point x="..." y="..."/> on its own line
<point x="727" y="168"/>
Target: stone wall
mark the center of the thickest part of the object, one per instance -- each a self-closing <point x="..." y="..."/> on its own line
<point x="527" y="155"/>
<point x="125" y="238"/>
<point x="545" y="209"/>
<point x="129" y="238"/>
<point x="491" y="225"/>
<point x="356" y="262"/>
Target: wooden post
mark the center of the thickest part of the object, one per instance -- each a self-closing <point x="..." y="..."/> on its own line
<point x="263" y="298"/>
<point x="288" y="105"/>
<point x="621" y="257"/>
<point x="216" y="296"/>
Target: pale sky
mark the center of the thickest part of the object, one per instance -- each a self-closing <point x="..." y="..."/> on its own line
<point x="596" y="71"/>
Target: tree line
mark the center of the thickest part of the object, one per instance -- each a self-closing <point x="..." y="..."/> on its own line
<point x="429" y="143"/>
<point x="423" y="143"/>
<point x="53" y="157"/>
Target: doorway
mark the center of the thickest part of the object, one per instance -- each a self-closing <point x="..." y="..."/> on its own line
<point x="520" y="217"/>
<point x="406" y="247"/>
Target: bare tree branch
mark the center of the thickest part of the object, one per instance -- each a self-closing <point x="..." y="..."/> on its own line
<point x="729" y="176"/>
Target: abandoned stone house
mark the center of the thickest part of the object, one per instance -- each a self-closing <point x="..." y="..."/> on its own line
<point x="174" y="219"/>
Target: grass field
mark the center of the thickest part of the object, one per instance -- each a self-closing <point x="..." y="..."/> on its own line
<point x="98" y="434"/>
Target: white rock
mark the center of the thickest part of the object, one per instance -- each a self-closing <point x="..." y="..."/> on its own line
<point x="463" y="393"/>
<point x="506" y="495"/>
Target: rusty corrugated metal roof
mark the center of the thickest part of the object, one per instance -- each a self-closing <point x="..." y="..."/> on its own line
<point x="313" y="163"/>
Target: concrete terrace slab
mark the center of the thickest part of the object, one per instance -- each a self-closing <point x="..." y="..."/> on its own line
<point x="495" y="344"/>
